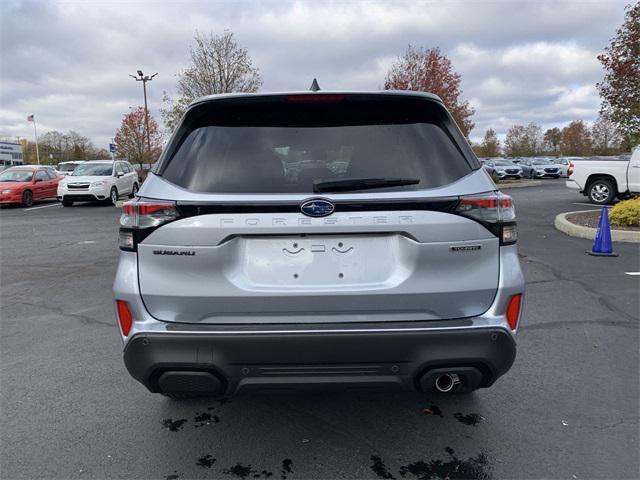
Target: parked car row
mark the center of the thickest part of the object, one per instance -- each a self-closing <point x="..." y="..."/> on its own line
<point x="523" y="168"/>
<point x="539" y="167"/>
<point x="101" y="180"/>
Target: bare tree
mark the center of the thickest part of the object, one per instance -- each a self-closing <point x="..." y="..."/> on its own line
<point x="605" y="136"/>
<point x="523" y="141"/>
<point x="576" y="139"/>
<point x="218" y="65"/>
<point x="490" y="144"/>
<point x="551" y="141"/>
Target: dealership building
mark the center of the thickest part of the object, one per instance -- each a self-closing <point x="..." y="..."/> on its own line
<point x="10" y="154"/>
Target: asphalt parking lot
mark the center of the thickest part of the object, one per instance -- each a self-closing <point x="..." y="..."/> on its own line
<point x="567" y="409"/>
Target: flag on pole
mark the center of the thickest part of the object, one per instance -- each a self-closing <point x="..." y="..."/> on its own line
<point x="30" y="118"/>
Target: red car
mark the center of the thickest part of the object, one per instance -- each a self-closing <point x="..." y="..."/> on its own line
<point x="27" y="183"/>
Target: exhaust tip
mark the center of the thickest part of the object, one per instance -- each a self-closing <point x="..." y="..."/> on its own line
<point x="447" y="382"/>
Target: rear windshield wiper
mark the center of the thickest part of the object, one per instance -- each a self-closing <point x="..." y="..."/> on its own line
<point x="351" y="184"/>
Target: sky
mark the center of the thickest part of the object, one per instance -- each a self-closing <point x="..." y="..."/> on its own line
<point x="67" y="62"/>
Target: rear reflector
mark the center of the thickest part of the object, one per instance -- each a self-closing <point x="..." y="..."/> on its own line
<point x="125" y="318"/>
<point x="509" y="234"/>
<point x="513" y="310"/>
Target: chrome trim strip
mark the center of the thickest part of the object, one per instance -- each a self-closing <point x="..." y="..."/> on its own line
<point x="363" y="330"/>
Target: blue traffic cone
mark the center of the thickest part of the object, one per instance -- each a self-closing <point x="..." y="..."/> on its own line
<point x="602" y="246"/>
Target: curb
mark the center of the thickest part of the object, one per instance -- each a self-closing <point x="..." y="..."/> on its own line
<point x="565" y="226"/>
<point x="530" y="183"/>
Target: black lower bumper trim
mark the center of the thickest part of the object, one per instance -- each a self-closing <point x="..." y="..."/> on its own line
<point x="285" y="361"/>
<point x="82" y="198"/>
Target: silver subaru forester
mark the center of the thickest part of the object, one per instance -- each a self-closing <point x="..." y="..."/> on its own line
<point x="300" y="241"/>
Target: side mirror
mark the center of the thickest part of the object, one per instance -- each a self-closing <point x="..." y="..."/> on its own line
<point x="119" y="174"/>
<point x="38" y="180"/>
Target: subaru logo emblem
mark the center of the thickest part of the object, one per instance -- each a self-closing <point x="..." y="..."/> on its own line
<point x="317" y="208"/>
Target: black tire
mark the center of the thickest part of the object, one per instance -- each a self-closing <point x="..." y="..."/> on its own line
<point x="27" y="198"/>
<point x="601" y="191"/>
<point x="67" y="203"/>
<point x="134" y="190"/>
<point x="113" y="195"/>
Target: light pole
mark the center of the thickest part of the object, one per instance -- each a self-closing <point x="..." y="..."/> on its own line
<point x="144" y="79"/>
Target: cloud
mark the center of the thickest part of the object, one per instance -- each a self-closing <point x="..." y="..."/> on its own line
<point x="68" y="62"/>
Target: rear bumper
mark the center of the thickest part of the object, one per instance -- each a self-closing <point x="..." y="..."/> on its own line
<point x="281" y="361"/>
<point x="380" y="355"/>
<point x="573" y="185"/>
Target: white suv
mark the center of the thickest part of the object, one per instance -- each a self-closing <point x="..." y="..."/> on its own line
<point x="99" y="180"/>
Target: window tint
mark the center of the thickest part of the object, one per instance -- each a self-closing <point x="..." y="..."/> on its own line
<point x="41" y="175"/>
<point x="52" y="174"/>
<point x="285" y="152"/>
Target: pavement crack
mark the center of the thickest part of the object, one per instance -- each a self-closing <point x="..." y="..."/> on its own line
<point x="597" y="321"/>
<point x="622" y="421"/>
<point x="60" y="311"/>
<point x="558" y="276"/>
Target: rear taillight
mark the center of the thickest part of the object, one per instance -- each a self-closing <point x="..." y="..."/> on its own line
<point x="125" y="317"/>
<point x="140" y="218"/>
<point x="493" y="210"/>
<point x="570" y="169"/>
<point x="513" y="310"/>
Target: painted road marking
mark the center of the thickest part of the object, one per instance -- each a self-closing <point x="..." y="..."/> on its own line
<point x="43" y="206"/>
<point x="632" y="273"/>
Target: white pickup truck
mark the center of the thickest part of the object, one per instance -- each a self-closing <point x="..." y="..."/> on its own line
<point x="604" y="180"/>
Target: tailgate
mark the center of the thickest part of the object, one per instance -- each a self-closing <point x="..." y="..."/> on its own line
<point x="287" y="268"/>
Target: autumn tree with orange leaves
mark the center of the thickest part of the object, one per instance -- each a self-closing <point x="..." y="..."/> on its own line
<point x="430" y="71"/>
<point x="131" y="138"/>
<point x="620" y="88"/>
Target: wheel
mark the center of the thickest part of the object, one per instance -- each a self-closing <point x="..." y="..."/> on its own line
<point x="601" y="191"/>
<point x="134" y="190"/>
<point x="113" y="196"/>
<point x="67" y="203"/>
<point x="27" y="198"/>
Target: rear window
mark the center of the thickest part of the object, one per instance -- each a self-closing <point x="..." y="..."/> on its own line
<point x="93" y="169"/>
<point x="284" y="144"/>
<point x="66" y="167"/>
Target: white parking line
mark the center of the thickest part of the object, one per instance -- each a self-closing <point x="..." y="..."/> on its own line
<point x="43" y="206"/>
<point x="632" y="273"/>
